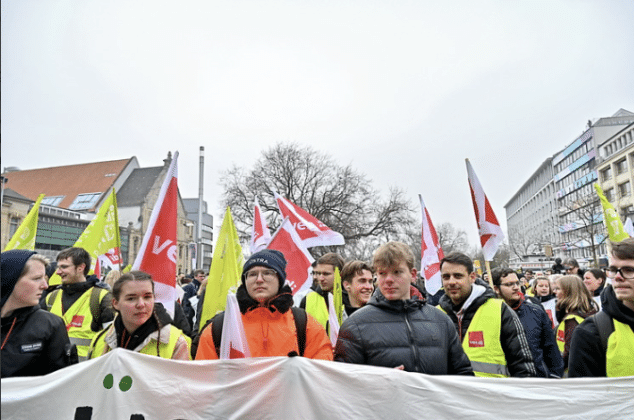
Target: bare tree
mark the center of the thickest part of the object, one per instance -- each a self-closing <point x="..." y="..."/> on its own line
<point x="337" y="195"/>
<point x="585" y="223"/>
<point x="452" y="238"/>
<point x="524" y="242"/>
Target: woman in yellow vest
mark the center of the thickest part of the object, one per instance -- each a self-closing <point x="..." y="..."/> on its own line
<point x="140" y="324"/>
<point x="574" y="304"/>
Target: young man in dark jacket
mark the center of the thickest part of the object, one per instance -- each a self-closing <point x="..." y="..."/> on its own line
<point x="491" y="333"/>
<point x="398" y="331"/>
<point x="605" y="347"/>
<point x="537" y="325"/>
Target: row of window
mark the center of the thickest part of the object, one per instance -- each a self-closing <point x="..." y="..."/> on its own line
<point x="620" y="167"/>
<point x="81" y="202"/>
<point x="582" y="150"/>
<point x="618" y="144"/>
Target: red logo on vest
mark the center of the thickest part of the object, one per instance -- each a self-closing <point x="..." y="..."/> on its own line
<point x="77" y="321"/>
<point x="476" y="339"/>
<point x="561" y="336"/>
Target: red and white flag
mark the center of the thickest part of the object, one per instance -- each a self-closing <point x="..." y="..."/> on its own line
<point x="299" y="261"/>
<point x="110" y="259"/>
<point x="431" y="253"/>
<point x="311" y="231"/>
<point x="233" y="342"/>
<point x="260" y="234"/>
<point x="157" y="255"/>
<point x="491" y="235"/>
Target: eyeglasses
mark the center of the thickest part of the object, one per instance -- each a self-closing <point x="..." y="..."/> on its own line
<point x="266" y="274"/>
<point x="321" y="273"/>
<point x="626" y="272"/>
<point x="512" y="284"/>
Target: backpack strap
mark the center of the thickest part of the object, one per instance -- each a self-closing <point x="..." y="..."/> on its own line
<point x="50" y="299"/>
<point x="216" y="330"/>
<point x="301" y="319"/>
<point x="604" y="324"/>
<point x="95" y="300"/>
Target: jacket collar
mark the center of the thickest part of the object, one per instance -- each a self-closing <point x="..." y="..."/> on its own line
<point x="282" y="302"/>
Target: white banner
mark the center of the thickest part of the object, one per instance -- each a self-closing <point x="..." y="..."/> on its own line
<point x="123" y="384"/>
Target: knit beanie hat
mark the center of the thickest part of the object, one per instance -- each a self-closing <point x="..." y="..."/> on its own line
<point x="11" y="266"/>
<point x="269" y="258"/>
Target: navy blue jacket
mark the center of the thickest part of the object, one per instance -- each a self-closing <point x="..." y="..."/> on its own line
<point x="541" y="340"/>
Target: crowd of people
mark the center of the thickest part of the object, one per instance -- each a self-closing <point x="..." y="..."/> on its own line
<point x="563" y="323"/>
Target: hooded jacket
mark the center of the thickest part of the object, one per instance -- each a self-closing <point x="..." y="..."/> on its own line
<point x="270" y="329"/>
<point x="37" y="343"/>
<point x="519" y="358"/>
<point x="402" y="332"/>
<point x="587" y="356"/>
<point x="156" y="330"/>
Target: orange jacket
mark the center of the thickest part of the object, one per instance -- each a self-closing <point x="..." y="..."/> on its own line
<point x="272" y="334"/>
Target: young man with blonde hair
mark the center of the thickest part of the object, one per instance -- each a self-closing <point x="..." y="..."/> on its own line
<point x="398" y="330"/>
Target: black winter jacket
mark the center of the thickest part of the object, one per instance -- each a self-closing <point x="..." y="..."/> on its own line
<point x="410" y="333"/>
<point x="37" y="344"/>
<point x="587" y="356"/>
<point x="519" y="358"/>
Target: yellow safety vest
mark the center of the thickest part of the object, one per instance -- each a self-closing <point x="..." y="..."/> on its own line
<point x="316" y="307"/>
<point x="482" y="341"/>
<point x="561" y="331"/>
<point x="619" y="358"/>
<point x="78" y="319"/>
<point x="98" y="347"/>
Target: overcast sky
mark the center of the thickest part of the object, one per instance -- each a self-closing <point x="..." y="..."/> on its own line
<point x="402" y="90"/>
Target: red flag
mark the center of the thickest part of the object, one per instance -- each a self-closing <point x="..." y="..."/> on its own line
<point x="260" y="234"/>
<point x="491" y="235"/>
<point x="157" y="255"/>
<point x="431" y="253"/>
<point x="233" y="342"/>
<point x="311" y="231"/>
<point x="299" y="261"/>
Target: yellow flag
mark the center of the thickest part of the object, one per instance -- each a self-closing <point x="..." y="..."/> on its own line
<point x="616" y="232"/>
<point x="24" y="237"/>
<point x="100" y="236"/>
<point x="225" y="271"/>
<point x="127" y="268"/>
<point x="338" y="296"/>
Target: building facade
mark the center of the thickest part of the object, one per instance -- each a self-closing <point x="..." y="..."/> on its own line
<point x="206" y="242"/>
<point x="557" y="212"/>
<point x="615" y="170"/>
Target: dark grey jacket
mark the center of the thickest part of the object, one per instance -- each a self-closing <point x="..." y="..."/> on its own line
<point x="410" y="333"/>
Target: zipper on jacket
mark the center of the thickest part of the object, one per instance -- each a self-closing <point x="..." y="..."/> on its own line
<point x="410" y="333"/>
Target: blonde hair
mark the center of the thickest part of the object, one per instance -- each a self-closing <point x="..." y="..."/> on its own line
<point x="391" y="254"/>
<point x="576" y="297"/>
<point x="111" y="277"/>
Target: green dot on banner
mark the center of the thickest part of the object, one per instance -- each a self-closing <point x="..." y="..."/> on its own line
<point x="108" y="381"/>
<point x="126" y="383"/>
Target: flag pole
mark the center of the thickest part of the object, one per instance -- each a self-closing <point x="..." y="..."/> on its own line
<point x="488" y="267"/>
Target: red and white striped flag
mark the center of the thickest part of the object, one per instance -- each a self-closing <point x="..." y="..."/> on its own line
<point x="157" y="255"/>
<point x="491" y="235"/>
<point x="299" y="261"/>
<point x="431" y="252"/>
<point x="311" y="230"/>
<point x="260" y="234"/>
<point x="233" y="342"/>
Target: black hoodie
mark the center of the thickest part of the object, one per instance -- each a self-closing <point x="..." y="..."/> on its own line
<point x="587" y="356"/>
